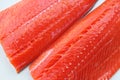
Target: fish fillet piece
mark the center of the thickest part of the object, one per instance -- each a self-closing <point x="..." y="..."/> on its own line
<point x="82" y="48"/>
<point x="25" y="43"/>
<point x="21" y="13"/>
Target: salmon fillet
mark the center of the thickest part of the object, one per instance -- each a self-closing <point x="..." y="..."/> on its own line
<point x="29" y="34"/>
<point x="80" y="51"/>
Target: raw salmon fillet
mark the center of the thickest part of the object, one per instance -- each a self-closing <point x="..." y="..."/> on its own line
<point x="20" y="13"/>
<point x="79" y="53"/>
<point x="29" y="34"/>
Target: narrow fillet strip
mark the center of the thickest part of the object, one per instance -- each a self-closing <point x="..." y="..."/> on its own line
<point x="83" y="48"/>
<point x="26" y="43"/>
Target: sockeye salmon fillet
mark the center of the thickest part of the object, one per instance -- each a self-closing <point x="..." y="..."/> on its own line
<point x="29" y="34"/>
<point x="20" y="13"/>
<point x="84" y="50"/>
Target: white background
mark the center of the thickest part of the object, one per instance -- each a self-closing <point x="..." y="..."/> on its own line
<point x="7" y="72"/>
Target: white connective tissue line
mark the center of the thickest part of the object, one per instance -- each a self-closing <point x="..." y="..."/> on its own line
<point x="6" y="70"/>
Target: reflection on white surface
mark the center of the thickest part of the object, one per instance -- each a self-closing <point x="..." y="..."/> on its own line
<point x="7" y="72"/>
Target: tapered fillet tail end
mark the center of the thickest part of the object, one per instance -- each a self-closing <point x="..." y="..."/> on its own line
<point x="19" y="67"/>
<point x="16" y="67"/>
<point x="16" y="64"/>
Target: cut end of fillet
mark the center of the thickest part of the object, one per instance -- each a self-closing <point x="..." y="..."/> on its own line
<point x="17" y="67"/>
